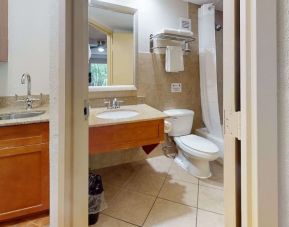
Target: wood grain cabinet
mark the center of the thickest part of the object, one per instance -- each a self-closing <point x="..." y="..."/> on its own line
<point x="24" y="170"/>
<point x="125" y="136"/>
<point x="3" y="30"/>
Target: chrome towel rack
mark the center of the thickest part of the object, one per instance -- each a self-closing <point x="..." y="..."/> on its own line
<point x="173" y="37"/>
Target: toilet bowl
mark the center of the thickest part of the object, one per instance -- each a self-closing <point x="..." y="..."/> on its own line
<point x="194" y="152"/>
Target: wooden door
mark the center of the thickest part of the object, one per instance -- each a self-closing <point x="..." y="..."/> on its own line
<point x="24" y="180"/>
<point x="232" y="158"/>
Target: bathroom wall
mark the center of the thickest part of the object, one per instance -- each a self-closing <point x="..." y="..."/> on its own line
<point x="28" y="47"/>
<point x="153" y="85"/>
<point x="123" y="58"/>
<point x="283" y="111"/>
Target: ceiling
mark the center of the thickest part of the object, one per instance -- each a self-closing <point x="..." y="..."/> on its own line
<point x="96" y="35"/>
<point x="218" y="3"/>
<point x="113" y="20"/>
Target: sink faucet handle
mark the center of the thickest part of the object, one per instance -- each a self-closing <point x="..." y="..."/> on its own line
<point x="117" y="103"/>
<point x="28" y="100"/>
<point x="107" y="102"/>
<point x="20" y="99"/>
<point x="34" y="99"/>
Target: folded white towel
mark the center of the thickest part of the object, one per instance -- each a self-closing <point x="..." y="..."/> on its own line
<point x="174" y="59"/>
<point x="177" y="32"/>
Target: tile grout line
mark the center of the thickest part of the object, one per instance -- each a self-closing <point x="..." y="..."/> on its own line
<point x="213" y="212"/>
<point x="123" y="188"/>
<point x="121" y="220"/>
<point x="213" y="187"/>
<point x="157" y="196"/>
<point x="197" y="211"/>
<point x="177" y="202"/>
<point x="185" y="181"/>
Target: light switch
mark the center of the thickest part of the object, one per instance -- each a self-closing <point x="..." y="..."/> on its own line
<point x="176" y="87"/>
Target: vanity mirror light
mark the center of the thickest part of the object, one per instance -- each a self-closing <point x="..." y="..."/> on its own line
<point x="112" y="47"/>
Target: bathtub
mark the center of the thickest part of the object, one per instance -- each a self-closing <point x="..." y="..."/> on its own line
<point x="203" y="132"/>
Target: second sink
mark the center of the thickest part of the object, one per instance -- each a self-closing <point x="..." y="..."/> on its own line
<point x="20" y="115"/>
<point x="117" y="114"/>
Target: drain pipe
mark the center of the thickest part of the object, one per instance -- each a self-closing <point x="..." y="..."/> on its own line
<point x="169" y="147"/>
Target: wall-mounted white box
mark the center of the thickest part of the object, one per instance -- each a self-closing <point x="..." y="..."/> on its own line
<point x="176" y="87"/>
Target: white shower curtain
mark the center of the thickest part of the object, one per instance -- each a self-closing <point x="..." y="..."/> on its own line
<point x="208" y="69"/>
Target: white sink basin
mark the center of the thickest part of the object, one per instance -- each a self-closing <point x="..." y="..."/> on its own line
<point x="117" y="114"/>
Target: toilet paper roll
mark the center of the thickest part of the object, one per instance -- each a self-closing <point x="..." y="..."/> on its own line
<point x="168" y="126"/>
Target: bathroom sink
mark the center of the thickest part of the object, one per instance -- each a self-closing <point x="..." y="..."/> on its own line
<point x="117" y="114"/>
<point x="21" y="115"/>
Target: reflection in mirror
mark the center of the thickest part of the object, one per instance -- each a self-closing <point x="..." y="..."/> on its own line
<point x="111" y="46"/>
<point x="99" y="56"/>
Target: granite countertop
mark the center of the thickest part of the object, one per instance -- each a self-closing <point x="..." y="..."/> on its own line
<point x="16" y="109"/>
<point x="145" y="113"/>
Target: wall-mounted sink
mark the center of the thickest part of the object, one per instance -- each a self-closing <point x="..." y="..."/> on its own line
<point x="21" y="115"/>
<point x="117" y="114"/>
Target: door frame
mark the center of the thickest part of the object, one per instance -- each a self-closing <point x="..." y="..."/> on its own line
<point x="68" y="126"/>
<point x="258" y="120"/>
<point x="69" y="167"/>
<point x="264" y="131"/>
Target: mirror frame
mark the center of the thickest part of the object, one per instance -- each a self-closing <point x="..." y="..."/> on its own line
<point x="134" y="13"/>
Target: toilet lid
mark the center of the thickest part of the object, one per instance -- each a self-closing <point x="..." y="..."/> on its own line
<point x="199" y="143"/>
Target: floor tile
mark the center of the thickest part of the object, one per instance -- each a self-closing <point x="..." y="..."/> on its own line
<point x="110" y="191"/>
<point x="217" y="179"/>
<point x="211" y="199"/>
<point x="106" y="221"/>
<point x="169" y="214"/>
<point x="27" y="224"/>
<point x="144" y="182"/>
<point x="178" y="173"/>
<point x="180" y="192"/>
<point x="116" y="175"/>
<point x="43" y="221"/>
<point x="209" y="219"/>
<point x="130" y="206"/>
<point x="156" y="165"/>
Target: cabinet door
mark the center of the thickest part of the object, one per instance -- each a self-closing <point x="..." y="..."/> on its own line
<point x="3" y="30"/>
<point x="125" y="136"/>
<point x="24" y="180"/>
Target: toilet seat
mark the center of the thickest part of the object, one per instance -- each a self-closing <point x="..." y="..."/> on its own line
<point x="197" y="146"/>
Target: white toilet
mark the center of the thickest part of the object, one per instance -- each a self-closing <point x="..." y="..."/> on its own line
<point x="194" y="152"/>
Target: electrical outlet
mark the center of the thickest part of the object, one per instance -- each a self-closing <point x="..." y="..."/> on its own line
<point x="176" y="87"/>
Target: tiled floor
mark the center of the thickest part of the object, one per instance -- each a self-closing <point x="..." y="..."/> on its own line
<point x="158" y="193"/>
<point x="155" y="193"/>
<point x="34" y="221"/>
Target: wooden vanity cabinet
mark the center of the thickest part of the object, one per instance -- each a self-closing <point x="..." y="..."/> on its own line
<point x="24" y="170"/>
<point x="3" y="30"/>
<point x="124" y="136"/>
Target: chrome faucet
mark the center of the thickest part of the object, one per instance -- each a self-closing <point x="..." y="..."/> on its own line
<point x="28" y="100"/>
<point x="27" y="77"/>
<point x="114" y="104"/>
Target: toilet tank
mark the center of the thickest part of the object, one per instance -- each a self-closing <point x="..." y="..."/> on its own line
<point x="181" y="120"/>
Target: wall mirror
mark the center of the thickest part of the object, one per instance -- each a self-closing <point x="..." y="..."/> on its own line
<point x="112" y="47"/>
